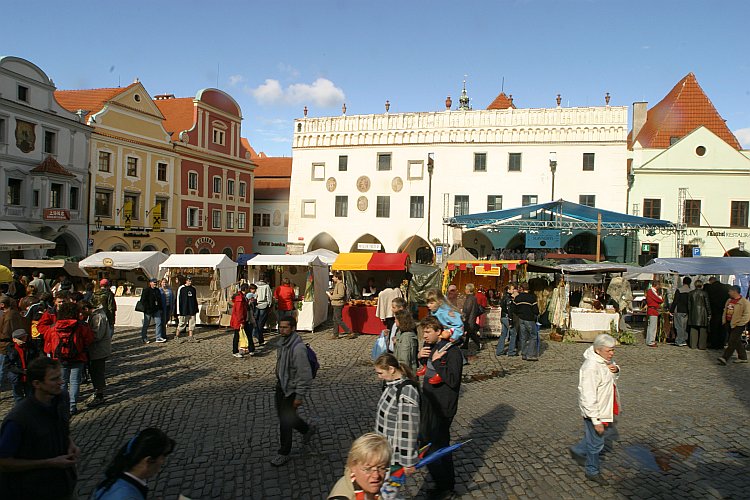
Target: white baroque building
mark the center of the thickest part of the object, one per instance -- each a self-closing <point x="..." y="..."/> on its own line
<point x="363" y="183"/>
<point x="44" y="162"/>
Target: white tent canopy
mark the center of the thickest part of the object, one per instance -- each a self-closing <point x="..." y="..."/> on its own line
<point x="70" y="267"/>
<point x="16" y="240"/>
<point x="226" y="266"/>
<point x="327" y="256"/>
<point x="126" y="261"/>
<point x="306" y="259"/>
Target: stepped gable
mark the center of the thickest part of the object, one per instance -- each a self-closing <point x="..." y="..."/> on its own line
<point x="502" y="101"/>
<point x="685" y="108"/>
<point x="90" y="100"/>
<point x="51" y="166"/>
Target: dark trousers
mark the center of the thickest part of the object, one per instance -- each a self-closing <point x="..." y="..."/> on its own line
<point x="236" y="340"/>
<point x="735" y="342"/>
<point x="698" y="336"/>
<point x="389" y="323"/>
<point x="441" y="470"/>
<point x="338" y="321"/>
<point x="288" y="420"/>
<point x="96" y="372"/>
<point x="716" y="331"/>
<point x="472" y="334"/>
<point x="20" y="389"/>
<point x="261" y="315"/>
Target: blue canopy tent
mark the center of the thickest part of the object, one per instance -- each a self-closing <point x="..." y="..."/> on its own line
<point x="561" y="215"/>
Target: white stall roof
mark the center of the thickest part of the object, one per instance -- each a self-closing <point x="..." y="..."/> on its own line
<point x="327" y="256"/>
<point x="226" y="266"/>
<point x="16" y="240"/>
<point x="286" y="260"/>
<point x="127" y="261"/>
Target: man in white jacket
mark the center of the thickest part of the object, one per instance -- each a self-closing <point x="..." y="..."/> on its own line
<point x="597" y="398"/>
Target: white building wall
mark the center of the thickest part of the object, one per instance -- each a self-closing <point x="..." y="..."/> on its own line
<point x="271" y="239"/>
<point x="454" y="137"/>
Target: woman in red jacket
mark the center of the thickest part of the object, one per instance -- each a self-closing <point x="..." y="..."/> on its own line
<point x="653" y="301"/>
<point x="239" y="320"/>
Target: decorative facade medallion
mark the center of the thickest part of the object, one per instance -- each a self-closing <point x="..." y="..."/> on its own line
<point x="363" y="184"/>
<point x="277" y="217"/>
<point x="362" y="203"/>
<point x="397" y="184"/>
<point x="25" y="136"/>
<point x="331" y="184"/>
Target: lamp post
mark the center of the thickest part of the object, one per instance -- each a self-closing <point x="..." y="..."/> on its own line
<point x="553" y="169"/>
<point x="98" y="223"/>
<point x="430" y="169"/>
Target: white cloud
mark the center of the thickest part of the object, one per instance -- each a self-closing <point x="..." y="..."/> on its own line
<point x="235" y="79"/>
<point x="743" y="135"/>
<point x="321" y="93"/>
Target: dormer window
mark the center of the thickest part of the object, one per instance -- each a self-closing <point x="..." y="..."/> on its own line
<point x="219" y="132"/>
<point x="218" y="137"/>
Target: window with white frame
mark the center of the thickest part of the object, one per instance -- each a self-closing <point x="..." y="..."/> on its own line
<point x="105" y="161"/>
<point x="318" y="171"/>
<point x="514" y="162"/>
<point x="383" y="207"/>
<point x="164" y="204"/>
<point x="13" y="192"/>
<point x="461" y="204"/>
<point x="415" y="170"/>
<point x="230" y="220"/>
<point x="103" y="203"/>
<point x="308" y="208"/>
<point x="217" y="184"/>
<point x="494" y="202"/>
<point x="132" y="167"/>
<point x="587" y="200"/>
<point x="342" y="206"/>
<point x="529" y="199"/>
<point x="384" y="161"/>
<point x="134" y="200"/>
<point x="241" y="220"/>
<point x="265" y="220"/>
<point x="55" y="195"/>
<point x="480" y="162"/>
<point x="243" y="189"/>
<point x="416" y="207"/>
<point x="161" y="172"/>
<point x="194" y="217"/>
<point x="343" y="163"/>
<point x="588" y="161"/>
<point x="256" y="219"/>
<point x="230" y="187"/>
<point x="216" y="219"/>
<point x="192" y="180"/>
<point x="219" y="136"/>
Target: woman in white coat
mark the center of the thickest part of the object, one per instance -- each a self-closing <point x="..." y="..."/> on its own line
<point x="597" y="399"/>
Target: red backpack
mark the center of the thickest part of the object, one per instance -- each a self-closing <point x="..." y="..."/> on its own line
<point x="67" y="345"/>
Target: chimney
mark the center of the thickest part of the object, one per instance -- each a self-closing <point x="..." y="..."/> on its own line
<point x="639" y="117"/>
<point x="163" y="97"/>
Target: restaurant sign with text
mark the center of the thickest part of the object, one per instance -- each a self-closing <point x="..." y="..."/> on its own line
<point x="56" y="214"/>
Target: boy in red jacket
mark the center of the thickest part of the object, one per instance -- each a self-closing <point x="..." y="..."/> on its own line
<point x="67" y="342"/>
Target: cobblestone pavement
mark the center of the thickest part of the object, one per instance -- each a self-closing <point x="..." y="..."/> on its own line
<point x="683" y="433"/>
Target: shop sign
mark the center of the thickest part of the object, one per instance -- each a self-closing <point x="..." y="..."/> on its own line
<point x="545" y="238"/>
<point x="696" y="251"/>
<point x="481" y="271"/>
<point x="56" y="214"/>
<point x="108" y="262"/>
<point x="645" y="247"/>
<point x="271" y="244"/>
<point x="375" y="247"/>
<point x="205" y="240"/>
<point x="295" y="248"/>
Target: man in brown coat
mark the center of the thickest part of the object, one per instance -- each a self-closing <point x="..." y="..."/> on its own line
<point x="736" y="318"/>
<point x="10" y="321"/>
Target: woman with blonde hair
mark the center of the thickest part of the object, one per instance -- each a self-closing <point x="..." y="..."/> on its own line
<point x="366" y="469"/>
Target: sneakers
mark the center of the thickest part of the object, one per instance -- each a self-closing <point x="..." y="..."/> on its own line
<point x="160" y="340"/>
<point x="279" y="460"/>
<point x="740" y="361"/>
<point x="238" y="355"/>
<point x="683" y="344"/>
<point x="721" y="360"/>
<point x="307" y="437"/>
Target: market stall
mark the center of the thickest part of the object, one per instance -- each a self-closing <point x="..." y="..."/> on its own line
<point x="212" y="276"/>
<point x="360" y="312"/>
<point x="128" y="273"/>
<point x="52" y="268"/>
<point x="308" y="274"/>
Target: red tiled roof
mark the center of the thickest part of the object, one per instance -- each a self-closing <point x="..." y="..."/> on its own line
<point x="91" y="100"/>
<point x="248" y="147"/>
<point x="51" y="166"/>
<point x="273" y="167"/>
<point x="502" y="101"/>
<point x="179" y="114"/>
<point x="271" y="189"/>
<point x="685" y="108"/>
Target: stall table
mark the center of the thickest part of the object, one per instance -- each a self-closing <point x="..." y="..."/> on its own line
<point x="362" y="319"/>
<point x="590" y="324"/>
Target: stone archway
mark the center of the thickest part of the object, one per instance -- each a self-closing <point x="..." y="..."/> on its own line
<point x="584" y="244"/>
<point x="418" y="249"/>
<point x="736" y="252"/>
<point x="150" y="248"/>
<point x="367" y="243"/>
<point x="66" y="244"/>
<point x="119" y="247"/>
<point x="518" y="242"/>
<point x="477" y="241"/>
<point x="323" y="241"/>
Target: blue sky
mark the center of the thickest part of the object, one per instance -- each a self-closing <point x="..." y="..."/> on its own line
<point x="276" y="56"/>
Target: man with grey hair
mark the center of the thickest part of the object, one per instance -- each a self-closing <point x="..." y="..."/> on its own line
<point x="597" y="399"/>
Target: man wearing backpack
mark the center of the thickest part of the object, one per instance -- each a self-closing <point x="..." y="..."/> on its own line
<point x="67" y="342"/>
<point x="294" y="374"/>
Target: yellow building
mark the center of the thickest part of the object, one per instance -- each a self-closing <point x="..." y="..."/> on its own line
<point x="132" y="169"/>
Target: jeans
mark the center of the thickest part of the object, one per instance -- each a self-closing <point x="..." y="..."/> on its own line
<point x="20" y="389"/>
<point x="261" y="315"/>
<point x="508" y="332"/>
<point x="236" y="340"/>
<point x="653" y="323"/>
<point x="288" y="420"/>
<point x="590" y="447"/>
<point x="157" y="317"/>
<point x="72" y="372"/>
<point x="680" y="326"/>
<point x="162" y="332"/>
<point x="735" y="342"/>
<point x="529" y="344"/>
<point x="97" y="371"/>
<point x="338" y="321"/>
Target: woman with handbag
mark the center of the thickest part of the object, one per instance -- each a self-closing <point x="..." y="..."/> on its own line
<point x="239" y="324"/>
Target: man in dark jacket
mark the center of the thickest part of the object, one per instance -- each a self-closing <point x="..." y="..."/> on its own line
<point x="679" y="310"/>
<point x="507" y="314"/>
<point x="16" y="288"/>
<point x="443" y="402"/>
<point x="187" y="307"/>
<point x="699" y="316"/>
<point x="153" y="308"/>
<point x="470" y="313"/>
<point x="718" y="294"/>
<point x="37" y="453"/>
<point x="527" y="311"/>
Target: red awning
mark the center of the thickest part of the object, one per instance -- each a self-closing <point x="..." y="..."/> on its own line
<point x="388" y="262"/>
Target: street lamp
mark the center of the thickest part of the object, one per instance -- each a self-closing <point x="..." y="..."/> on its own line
<point x="553" y="169"/>
<point x="98" y="223"/>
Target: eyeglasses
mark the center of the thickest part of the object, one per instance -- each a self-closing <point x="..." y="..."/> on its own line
<point x="380" y="469"/>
